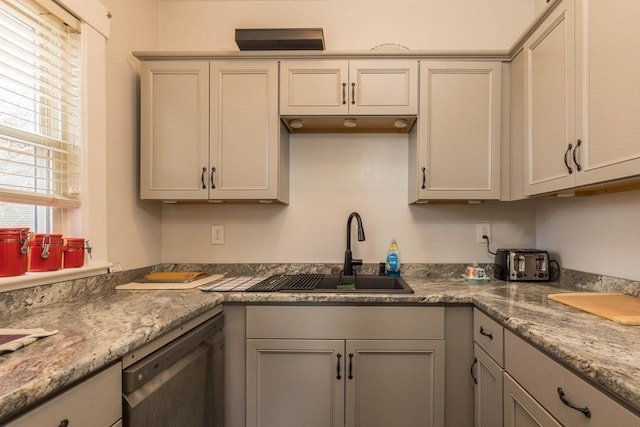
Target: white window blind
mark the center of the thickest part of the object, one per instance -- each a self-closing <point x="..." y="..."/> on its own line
<point x="40" y="132"/>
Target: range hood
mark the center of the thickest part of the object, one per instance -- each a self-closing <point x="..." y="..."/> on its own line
<point x="280" y="39"/>
<point x="349" y="124"/>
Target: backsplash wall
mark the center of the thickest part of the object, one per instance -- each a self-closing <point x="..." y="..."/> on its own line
<point x="331" y="176"/>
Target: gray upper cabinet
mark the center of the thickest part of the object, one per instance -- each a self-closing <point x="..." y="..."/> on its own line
<point x="454" y="150"/>
<point x="608" y="92"/>
<point x="580" y="128"/>
<point x="549" y="112"/>
<point x="210" y="131"/>
<point x="349" y="87"/>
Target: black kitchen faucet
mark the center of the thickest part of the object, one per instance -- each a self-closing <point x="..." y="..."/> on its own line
<point x="349" y="262"/>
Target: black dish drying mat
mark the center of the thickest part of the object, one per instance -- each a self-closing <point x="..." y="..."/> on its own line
<point x="287" y="282"/>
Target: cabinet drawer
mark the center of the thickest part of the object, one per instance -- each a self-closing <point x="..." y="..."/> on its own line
<point x="541" y="376"/>
<point x="96" y="401"/>
<point x="520" y="409"/>
<point x="489" y="335"/>
<point x="345" y="322"/>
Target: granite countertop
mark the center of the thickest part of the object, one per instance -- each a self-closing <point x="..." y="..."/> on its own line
<point x="95" y="330"/>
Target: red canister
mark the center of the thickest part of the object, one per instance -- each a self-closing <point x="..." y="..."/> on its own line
<point x="73" y="252"/>
<point x="45" y="252"/>
<point x="13" y="251"/>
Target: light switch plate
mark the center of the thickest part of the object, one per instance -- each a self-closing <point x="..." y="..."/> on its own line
<point x="217" y="234"/>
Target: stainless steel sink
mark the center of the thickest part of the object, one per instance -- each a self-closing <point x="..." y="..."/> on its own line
<point x="363" y="284"/>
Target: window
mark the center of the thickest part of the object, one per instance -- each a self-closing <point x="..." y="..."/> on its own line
<point x="40" y="113"/>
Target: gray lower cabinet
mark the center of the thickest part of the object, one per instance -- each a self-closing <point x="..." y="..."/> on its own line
<point x="522" y="410"/>
<point x="345" y="366"/>
<point x="486" y="370"/>
<point x="487" y="402"/>
<point x="533" y="377"/>
<point x="96" y="401"/>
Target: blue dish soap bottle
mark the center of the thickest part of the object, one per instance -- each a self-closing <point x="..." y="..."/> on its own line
<point x="393" y="260"/>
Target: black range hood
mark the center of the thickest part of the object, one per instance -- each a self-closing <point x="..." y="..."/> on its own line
<point x="280" y="39"/>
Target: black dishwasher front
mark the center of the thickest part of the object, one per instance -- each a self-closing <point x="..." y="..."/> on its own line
<point x="180" y="384"/>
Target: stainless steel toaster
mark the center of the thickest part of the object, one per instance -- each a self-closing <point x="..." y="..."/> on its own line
<point x="524" y="265"/>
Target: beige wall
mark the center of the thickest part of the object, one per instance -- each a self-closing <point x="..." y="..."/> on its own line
<point x="598" y="234"/>
<point x="331" y="176"/>
<point x="350" y="24"/>
<point x="134" y="238"/>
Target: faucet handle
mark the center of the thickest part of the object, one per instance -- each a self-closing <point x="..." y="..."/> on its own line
<point x="356" y="262"/>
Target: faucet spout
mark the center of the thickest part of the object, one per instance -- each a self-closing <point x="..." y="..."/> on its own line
<point x="349" y="262"/>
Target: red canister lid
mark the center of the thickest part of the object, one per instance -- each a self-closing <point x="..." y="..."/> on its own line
<point x="14" y="233"/>
<point x="52" y="239"/>
<point x="74" y="242"/>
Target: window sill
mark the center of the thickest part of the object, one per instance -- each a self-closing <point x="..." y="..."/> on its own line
<point x="29" y="280"/>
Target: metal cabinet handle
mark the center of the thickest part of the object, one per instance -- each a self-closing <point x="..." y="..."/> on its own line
<point x="353" y="93"/>
<point x="578" y="165"/>
<point x="204" y="186"/>
<point x="344" y="93"/>
<point x="424" y="178"/>
<point x="485" y="333"/>
<point x="566" y="162"/>
<point x="213" y="186"/>
<point x="472" y="370"/>
<point x="338" y="376"/>
<point x="350" y="366"/>
<point x="64" y="423"/>
<point x="585" y="411"/>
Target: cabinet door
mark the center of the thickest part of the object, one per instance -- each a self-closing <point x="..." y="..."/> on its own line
<point x="396" y="383"/>
<point x="455" y="151"/>
<point x="379" y="87"/>
<point x="295" y="383"/>
<point x="340" y="87"/>
<point x="488" y="390"/>
<point x="174" y="130"/>
<point x="96" y="401"/>
<point x="521" y="410"/>
<point x="550" y="103"/>
<point x="314" y="87"/>
<point x="245" y="146"/>
<point x="608" y="90"/>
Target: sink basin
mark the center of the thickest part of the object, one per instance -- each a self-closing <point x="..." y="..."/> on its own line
<point x="363" y="284"/>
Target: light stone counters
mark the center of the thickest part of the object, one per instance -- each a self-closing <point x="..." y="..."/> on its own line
<point x="97" y="328"/>
<point x="94" y="332"/>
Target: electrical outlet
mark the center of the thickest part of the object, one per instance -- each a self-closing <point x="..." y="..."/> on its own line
<point x="114" y="268"/>
<point x="217" y="234"/>
<point x="483" y="230"/>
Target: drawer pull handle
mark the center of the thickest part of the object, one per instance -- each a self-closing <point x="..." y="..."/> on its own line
<point x="338" y="377"/>
<point x="585" y="410"/>
<point x="485" y="333"/>
<point x="473" y="375"/>
<point x="64" y="423"/>
<point x="566" y="162"/>
<point x="353" y="94"/>
<point x="578" y="165"/>
<point x="350" y="366"/>
<point x="204" y="186"/>
<point x="213" y="185"/>
<point x="424" y="178"/>
<point x="344" y="93"/>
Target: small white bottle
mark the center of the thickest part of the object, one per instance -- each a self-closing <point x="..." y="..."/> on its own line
<point x="393" y="259"/>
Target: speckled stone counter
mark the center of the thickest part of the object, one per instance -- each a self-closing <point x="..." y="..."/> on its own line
<point x="98" y="327"/>
<point x="95" y="330"/>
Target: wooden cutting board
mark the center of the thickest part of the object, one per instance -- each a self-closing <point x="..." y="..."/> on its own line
<point x="620" y="308"/>
<point x="171" y="285"/>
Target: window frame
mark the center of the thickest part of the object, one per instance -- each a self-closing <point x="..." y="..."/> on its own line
<point x="90" y="220"/>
